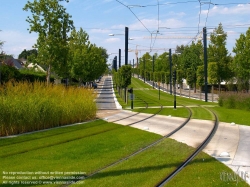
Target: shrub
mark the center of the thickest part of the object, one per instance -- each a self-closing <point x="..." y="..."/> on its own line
<point x="235" y="100"/>
<point x="8" y="73"/>
<point x="11" y="73"/>
<point x="28" y="107"/>
<point x="32" y="76"/>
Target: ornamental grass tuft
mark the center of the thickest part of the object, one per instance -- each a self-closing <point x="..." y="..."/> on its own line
<point x="34" y="106"/>
<point x="233" y="100"/>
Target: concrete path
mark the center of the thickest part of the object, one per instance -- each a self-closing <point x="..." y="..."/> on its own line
<point x="230" y="144"/>
<point x="106" y="99"/>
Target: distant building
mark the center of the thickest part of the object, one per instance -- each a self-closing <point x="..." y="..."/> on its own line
<point x="36" y="67"/>
<point x="18" y="64"/>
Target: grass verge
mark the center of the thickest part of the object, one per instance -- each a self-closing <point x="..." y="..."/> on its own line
<point x="206" y="171"/>
<point x="179" y="112"/>
<point x="84" y="148"/>
<point x="150" y="167"/>
<point x="232" y="115"/>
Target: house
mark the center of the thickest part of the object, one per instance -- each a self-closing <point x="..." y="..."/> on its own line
<point x="18" y="64"/>
<point x="36" y="67"/>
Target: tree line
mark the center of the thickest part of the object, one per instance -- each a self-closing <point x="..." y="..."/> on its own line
<point x="188" y="62"/>
<point x="122" y="79"/>
<point x="60" y="47"/>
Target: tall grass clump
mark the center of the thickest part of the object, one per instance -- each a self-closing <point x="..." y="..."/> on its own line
<point x="34" y="106"/>
<point x="235" y="100"/>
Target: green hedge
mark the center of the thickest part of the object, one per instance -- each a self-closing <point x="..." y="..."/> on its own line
<point x="235" y="100"/>
<point x="11" y="73"/>
<point x="33" y="76"/>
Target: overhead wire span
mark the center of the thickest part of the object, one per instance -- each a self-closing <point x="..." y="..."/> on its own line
<point x="207" y="13"/>
<point x="134" y="15"/>
<point x="152" y="46"/>
<point x="185" y="2"/>
<point x="199" y="17"/>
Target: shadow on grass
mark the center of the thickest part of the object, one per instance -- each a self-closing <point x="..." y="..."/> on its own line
<point x="145" y="169"/>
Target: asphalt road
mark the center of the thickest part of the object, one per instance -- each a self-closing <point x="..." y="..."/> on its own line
<point x="106" y="101"/>
<point x="105" y="98"/>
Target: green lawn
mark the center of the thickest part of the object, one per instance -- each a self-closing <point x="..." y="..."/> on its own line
<point x="237" y="116"/>
<point x="205" y="170"/>
<point x="179" y="112"/>
<point x="156" y="163"/>
<point x="84" y="148"/>
<point x="91" y="146"/>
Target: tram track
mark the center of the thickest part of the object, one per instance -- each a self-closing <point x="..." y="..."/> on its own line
<point x="201" y="146"/>
<point x="142" y="149"/>
<point x="190" y="157"/>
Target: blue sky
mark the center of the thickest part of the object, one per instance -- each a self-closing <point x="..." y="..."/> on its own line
<point x="99" y="18"/>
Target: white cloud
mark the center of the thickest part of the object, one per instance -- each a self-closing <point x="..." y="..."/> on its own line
<point x="102" y="31"/>
<point x="179" y="14"/>
<point x="153" y="24"/>
<point x="112" y="40"/>
<point x="118" y="26"/>
<point x="16" y="42"/>
<point x="239" y="9"/>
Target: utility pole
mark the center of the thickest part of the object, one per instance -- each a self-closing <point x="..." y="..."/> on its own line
<point x="170" y="70"/>
<point x="144" y="68"/>
<point x="119" y="58"/>
<point x="137" y="72"/>
<point x="126" y="45"/>
<point x="133" y="67"/>
<point x="115" y="63"/>
<point x="205" y="60"/>
<point x="153" y="68"/>
<point x="174" y="77"/>
<point x="131" y="97"/>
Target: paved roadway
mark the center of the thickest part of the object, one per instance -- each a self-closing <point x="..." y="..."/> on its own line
<point x="106" y="101"/>
<point x="230" y="144"/>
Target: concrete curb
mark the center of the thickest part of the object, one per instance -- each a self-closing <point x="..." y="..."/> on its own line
<point x="117" y="104"/>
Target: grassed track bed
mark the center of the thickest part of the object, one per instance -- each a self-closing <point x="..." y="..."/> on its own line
<point x="85" y="148"/>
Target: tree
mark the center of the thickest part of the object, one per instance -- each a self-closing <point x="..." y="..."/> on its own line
<point x="241" y="62"/>
<point x="87" y="62"/>
<point x="162" y="62"/>
<point x="125" y="75"/>
<point x="190" y="78"/>
<point x="26" y="53"/>
<point x="200" y="78"/>
<point x="217" y="52"/>
<point x="213" y="75"/>
<point x="148" y="63"/>
<point x="179" y="78"/>
<point x="1" y="44"/>
<point x="52" y="23"/>
<point x="191" y="59"/>
<point x="2" y="53"/>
